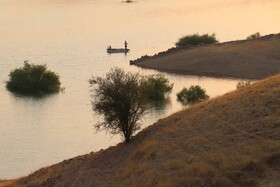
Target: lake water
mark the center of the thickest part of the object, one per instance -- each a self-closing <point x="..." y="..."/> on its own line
<point x="71" y="37"/>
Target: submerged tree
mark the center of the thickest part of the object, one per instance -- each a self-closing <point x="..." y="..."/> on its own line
<point x="33" y="79"/>
<point x="192" y="94"/>
<point x="156" y="87"/>
<point x="119" y="98"/>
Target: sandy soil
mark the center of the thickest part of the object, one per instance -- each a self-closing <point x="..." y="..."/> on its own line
<point x="249" y="59"/>
<point x="232" y="140"/>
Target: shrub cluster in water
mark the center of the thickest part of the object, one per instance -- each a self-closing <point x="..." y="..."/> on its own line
<point x="196" y="39"/>
<point x="192" y="95"/>
<point x="33" y="79"/>
<point x="156" y="87"/>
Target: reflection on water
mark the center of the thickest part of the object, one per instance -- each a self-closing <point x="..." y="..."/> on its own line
<point x="71" y="38"/>
<point x="158" y="108"/>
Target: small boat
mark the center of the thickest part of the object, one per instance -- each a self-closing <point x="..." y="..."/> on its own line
<point x="117" y="50"/>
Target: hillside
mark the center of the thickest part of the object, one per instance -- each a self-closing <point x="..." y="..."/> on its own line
<point x="250" y="59"/>
<point x="232" y="140"/>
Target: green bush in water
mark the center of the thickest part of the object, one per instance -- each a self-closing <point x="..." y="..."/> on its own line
<point x="192" y="94"/>
<point x="156" y="87"/>
<point x="33" y="79"/>
<point x="196" y="39"/>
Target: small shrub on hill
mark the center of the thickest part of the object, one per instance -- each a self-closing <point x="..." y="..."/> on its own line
<point x="33" y="79"/>
<point x="196" y="39"/>
<point x="156" y="87"/>
<point x="243" y="84"/>
<point x="254" y="36"/>
<point x="192" y="94"/>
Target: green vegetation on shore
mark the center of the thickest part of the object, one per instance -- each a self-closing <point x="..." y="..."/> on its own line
<point x="243" y="84"/>
<point x="118" y="97"/>
<point x="254" y="36"/>
<point x="196" y="39"/>
<point x="33" y="79"/>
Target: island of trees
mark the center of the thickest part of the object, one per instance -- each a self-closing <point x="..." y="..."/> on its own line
<point x="33" y="79"/>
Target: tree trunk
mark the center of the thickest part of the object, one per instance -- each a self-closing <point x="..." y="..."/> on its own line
<point x="127" y="137"/>
<point x="127" y="140"/>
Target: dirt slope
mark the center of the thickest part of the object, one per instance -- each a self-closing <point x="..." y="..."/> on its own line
<point x="233" y="140"/>
<point x="251" y="59"/>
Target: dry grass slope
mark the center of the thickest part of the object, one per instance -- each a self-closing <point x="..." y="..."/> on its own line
<point x="233" y="140"/>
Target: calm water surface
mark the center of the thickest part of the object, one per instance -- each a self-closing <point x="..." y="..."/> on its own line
<point x="71" y="37"/>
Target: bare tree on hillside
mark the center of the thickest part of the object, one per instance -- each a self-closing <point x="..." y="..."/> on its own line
<point x="119" y="99"/>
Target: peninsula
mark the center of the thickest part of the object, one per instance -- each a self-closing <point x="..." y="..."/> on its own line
<point x="249" y="59"/>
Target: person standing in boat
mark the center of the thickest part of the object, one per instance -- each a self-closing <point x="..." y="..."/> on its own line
<point x="125" y="44"/>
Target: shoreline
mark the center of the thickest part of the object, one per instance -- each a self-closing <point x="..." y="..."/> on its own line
<point x="199" y="74"/>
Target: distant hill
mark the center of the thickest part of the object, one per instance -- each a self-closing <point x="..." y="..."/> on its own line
<point x="251" y="59"/>
<point x="232" y="140"/>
